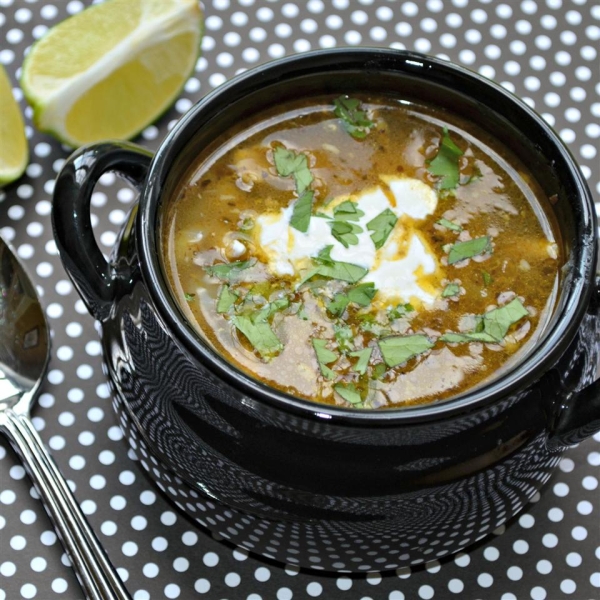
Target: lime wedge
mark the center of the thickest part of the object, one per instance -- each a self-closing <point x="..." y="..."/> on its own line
<point x="112" y="69"/>
<point x="14" y="152"/>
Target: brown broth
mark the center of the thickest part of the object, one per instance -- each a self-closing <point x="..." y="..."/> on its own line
<point x="235" y="182"/>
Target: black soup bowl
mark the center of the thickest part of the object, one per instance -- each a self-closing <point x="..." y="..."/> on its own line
<point x="309" y="484"/>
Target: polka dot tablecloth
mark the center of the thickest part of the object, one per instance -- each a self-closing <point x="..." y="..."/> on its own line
<point x="546" y="51"/>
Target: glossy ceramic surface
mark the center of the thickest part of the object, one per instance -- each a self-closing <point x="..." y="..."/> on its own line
<point x="309" y="485"/>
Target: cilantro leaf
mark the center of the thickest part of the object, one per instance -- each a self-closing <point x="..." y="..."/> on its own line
<point x="450" y="225"/>
<point x="492" y="326"/>
<point x="355" y="121"/>
<point x="288" y="162"/>
<point x="301" y="214"/>
<point x="487" y="278"/>
<point x="362" y="294"/>
<point x="398" y="349"/>
<point x="452" y="289"/>
<point x="343" y="336"/>
<point x="347" y="211"/>
<point x="474" y="336"/>
<point x="379" y="370"/>
<point x="362" y="363"/>
<point x="324" y="256"/>
<point x="349" y="393"/>
<point x="189" y="297"/>
<point x="225" y="271"/>
<point x="469" y="249"/>
<point x="382" y="226"/>
<point x="498" y="321"/>
<point x="226" y="299"/>
<point x="324" y="357"/>
<point x="332" y="269"/>
<point x="264" y="313"/>
<point x="343" y="271"/>
<point x="345" y="232"/>
<point x="338" y="305"/>
<point x="445" y="163"/>
<point x="259" y="334"/>
<point x="400" y="311"/>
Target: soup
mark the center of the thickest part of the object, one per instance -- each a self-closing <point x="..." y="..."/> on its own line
<point x="367" y="252"/>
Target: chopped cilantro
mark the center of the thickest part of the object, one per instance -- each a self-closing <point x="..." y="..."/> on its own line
<point x="343" y="336"/>
<point x="264" y="313"/>
<point x="349" y="393"/>
<point x="189" y="297"/>
<point x="226" y="299"/>
<point x="492" y="326"/>
<point x="445" y="163"/>
<point x="382" y="226"/>
<point x="498" y="321"/>
<point x="362" y="363"/>
<point x="345" y="232"/>
<point x="324" y="357"/>
<point x="450" y="225"/>
<point x="355" y="121"/>
<point x="288" y="162"/>
<point x="398" y="349"/>
<point x="347" y="211"/>
<point x="474" y="336"/>
<point x="259" y="334"/>
<point x="469" y="249"/>
<point x="361" y="294"/>
<point x="332" y="269"/>
<point x="379" y="370"/>
<point x="487" y="278"/>
<point x="300" y="219"/>
<point x="400" y="311"/>
<point x="227" y="271"/>
<point x="452" y="289"/>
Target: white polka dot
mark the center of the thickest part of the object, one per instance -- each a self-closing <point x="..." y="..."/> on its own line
<point x="514" y="573"/>
<point x="77" y="462"/>
<point x="8" y="569"/>
<point x="314" y="589"/>
<point x="410" y="9"/>
<point x="485" y="580"/>
<point x="568" y="586"/>
<point x="202" y="586"/>
<point x="18" y="542"/>
<point x="139" y="523"/>
<point x="538" y="593"/>
<point x="108" y="528"/>
<point x="97" y="482"/>
<point x="159" y="544"/>
<point x="38" y="564"/>
<point x="456" y="586"/>
<point x="426" y="592"/>
<point x="28" y="590"/>
<point x="147" y="497"/>
<point x="284" y="593"/>
<point x="343" y="583"/>
<point x="544" y="566"/>
<point x="210" y="559"/>
<point x="574" y="559"/>
<point x="590" y="483"/>
<point x="262" y="574"/>
<point x="150" y="570"/>
<point x="232" y="579"/>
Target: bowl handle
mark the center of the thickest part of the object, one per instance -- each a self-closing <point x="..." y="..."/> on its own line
<point x="91" y="273"/>
<point x="579" y="415"/>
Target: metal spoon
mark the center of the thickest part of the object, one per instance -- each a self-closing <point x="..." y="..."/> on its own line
<point x="24" y="354"/>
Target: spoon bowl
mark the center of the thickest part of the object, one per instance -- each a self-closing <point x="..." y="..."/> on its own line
<point x="24" y="357"/>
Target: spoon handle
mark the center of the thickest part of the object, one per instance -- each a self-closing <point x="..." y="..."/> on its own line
<point x="97" y="577"/>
